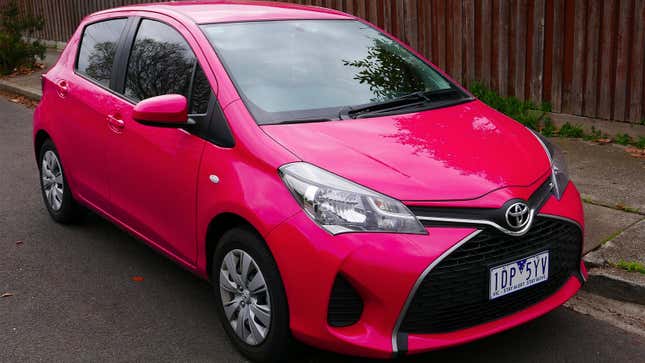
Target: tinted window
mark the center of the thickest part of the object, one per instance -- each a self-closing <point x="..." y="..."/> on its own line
<point x="313" y="68"/>
<point x="98" y="48"/>
<point x="161" y="62"/>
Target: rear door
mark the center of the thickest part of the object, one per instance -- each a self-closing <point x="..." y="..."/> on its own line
<point x="153" y="170"/>
<point x="84" y="98"/>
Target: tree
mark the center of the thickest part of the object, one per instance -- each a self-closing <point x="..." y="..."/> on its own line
<point x="386" y="71"/>
<point x="158" y="68"/>
<point x="101" y="60"/>
<point x="14" y="27"/>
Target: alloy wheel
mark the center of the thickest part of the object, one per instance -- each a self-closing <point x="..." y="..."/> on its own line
<point x="52" y="178"/>
<point x="245" y="297"/>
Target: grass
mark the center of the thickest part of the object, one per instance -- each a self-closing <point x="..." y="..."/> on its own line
<point x="623" y="139"/>
<point x="611" y="237"/>
<point x="548" y="128"/>
<point x="631" y="266"/>
<point x="534" y="117"/>
<point x="568" y="130"/>
<point x="595" y="135"/>
<point x="640" y="143"/>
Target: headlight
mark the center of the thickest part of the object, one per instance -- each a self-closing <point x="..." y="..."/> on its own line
<point x="339" y="205"/>
<point x="560" y="174"/>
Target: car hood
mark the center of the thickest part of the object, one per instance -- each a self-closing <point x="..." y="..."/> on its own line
<point x="454" y="153"/>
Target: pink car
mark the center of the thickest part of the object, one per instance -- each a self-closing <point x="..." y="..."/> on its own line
<point x="333" y="185"/>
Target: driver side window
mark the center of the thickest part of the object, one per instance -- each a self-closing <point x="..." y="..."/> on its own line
<point x="161" y="62"/>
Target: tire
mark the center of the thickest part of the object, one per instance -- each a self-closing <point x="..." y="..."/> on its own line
<point x="62" y="208"/>
<point x="275" y="344"/>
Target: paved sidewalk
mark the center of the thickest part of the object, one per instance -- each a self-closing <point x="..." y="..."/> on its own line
<point x="611" y="182"/>
<point x="29" y="85"/>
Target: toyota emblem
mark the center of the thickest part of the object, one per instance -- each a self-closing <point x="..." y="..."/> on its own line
<point x="517" y="215"/>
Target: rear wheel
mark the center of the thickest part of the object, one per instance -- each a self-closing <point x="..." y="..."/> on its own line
<point x="54" y="187"/>
<point x="251" y="301"/>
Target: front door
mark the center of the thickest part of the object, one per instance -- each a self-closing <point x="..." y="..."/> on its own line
<point x="154" y="169"/>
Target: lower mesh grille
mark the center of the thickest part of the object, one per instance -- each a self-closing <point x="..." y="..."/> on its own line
<point x="454" y="295"/>
<point x="345" y="304"/>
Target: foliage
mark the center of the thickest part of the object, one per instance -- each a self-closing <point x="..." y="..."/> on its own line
<point x="386" y="71"/>
<point x="14" y="50"/>
<point x="640" y="143"/>
<point x="569" y="130"/>
<point x="545" y="106"/>
<point x="623" y="139"/>
<point x="524" y="112"/>
<point x="158" y="68"/>
<point x="597" y="135"/>
<point x="100" y="61"/>
<point x="632" y="266"/>
<point x="549" y="128"/>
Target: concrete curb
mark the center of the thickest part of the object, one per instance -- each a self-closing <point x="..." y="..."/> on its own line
<point x="31" y="93"/>
<point x="616" y="284"/>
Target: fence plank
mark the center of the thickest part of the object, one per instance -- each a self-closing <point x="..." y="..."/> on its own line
<point x="486" y="41"/>
<point x="519" y="23"/>
<point x="440" y="31"/>
<point x="637" y="102"/>
<point x="591" y="67"/>
<point x="468" y="40"/>
<point x="579" y="55"/>
<point x="537" y="59"/>
<point x="411" y="26"/>
<point x="607" y="61"/>
<point x="623" y="47"/>
<point x="455" y="47"/>
<point x="399" y="30"/>
<point x="557" y="44"/>
<point x="502" y="48"/>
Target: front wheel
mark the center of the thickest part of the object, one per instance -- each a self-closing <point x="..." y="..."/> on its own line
<point x="252" y="304"/>
<point x="54" y="187"/>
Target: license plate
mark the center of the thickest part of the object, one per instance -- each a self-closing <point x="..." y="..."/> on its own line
<point x="519" y="274"/>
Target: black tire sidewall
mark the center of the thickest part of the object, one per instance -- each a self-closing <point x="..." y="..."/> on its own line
<point x="274" y="348"/>
<point x="68" y="210"/>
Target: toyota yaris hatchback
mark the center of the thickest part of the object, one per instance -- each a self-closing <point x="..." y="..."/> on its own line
<point x="332" y="184"/>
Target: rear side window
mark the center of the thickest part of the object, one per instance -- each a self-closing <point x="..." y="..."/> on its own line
<point x="161" y="62"/>
<point x="98" y="48"/>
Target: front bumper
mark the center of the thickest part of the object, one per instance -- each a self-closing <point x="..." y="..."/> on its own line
<point x="383" y="268"/>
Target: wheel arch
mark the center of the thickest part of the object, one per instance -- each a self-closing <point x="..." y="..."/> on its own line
<point x="219" y="225"/>
<point x="39" y="140"/>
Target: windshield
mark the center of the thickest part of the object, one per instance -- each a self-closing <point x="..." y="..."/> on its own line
<point x="313" y="69"/>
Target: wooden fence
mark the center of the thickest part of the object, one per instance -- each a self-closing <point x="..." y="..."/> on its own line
<point x="584" y="57"/>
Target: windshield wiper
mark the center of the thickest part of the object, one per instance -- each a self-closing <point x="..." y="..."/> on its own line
<point x="405" y="100"/>
<point x="418" y="98"/>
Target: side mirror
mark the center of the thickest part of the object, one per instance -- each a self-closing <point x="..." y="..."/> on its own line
<point x="164" y="111"/>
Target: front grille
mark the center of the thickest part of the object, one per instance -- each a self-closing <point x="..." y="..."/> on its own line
<point x="345" y="304"/>
<point x="454" y="295"/>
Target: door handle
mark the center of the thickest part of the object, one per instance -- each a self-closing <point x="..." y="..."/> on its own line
<point x="115" y="123"/>
<point x="62" y="88"/>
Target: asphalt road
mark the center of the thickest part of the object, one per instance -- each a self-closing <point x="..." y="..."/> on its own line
<point x="74" y="298"/>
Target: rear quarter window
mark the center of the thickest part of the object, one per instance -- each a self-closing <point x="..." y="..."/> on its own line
<point x="98" y="48"/>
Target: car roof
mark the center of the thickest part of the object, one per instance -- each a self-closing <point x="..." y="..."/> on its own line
<point x="204" y="12"/>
